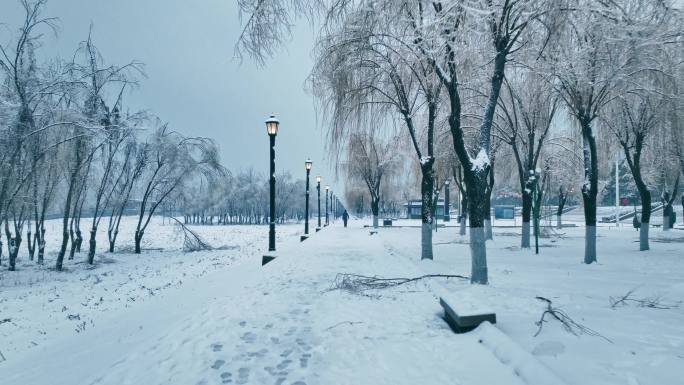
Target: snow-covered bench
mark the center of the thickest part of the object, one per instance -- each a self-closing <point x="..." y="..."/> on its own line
<point x="464" y="317"/>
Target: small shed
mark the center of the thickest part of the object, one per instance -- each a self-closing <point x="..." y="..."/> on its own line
<point x="414" y="207"/>
<point x="504" y="212"/>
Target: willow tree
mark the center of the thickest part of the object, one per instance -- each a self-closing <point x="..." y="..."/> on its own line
<point x="483" y="34"/>
<point x="368" y="71"/>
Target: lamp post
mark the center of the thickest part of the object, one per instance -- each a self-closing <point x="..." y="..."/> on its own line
<point x="307" y="165"/>
<point x="447" y="216"/>
<point x="272" y="130"/>
<point x="318" y="187"/>
<point x="327" y="189"/>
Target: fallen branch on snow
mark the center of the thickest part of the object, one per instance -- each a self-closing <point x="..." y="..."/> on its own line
<point x="653" y="302"/>
<point x="350" y="323"/>
<point x="568" y="323"/>
<point x="192" y="241"/>
<point x="355" y="283"/>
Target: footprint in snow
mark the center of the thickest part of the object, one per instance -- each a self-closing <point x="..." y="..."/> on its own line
<point x="216" y="347"/>
<point x="249" y="337"/>
<point x="284" y="364"/>
<point x="218" y="364"/>
<point x="226" y="377"/>
<point x="243" y="376"/>
<point x="304" y="360"/>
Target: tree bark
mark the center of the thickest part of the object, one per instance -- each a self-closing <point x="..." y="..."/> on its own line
<point x="375" y="209"/>
<point x="427" y="186"/>
<point x="589" y="189"/>
<point x="526" y="217"/>
<point x="92" y="245"/>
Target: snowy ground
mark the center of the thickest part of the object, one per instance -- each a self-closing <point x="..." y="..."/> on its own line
<point x="229" y="320"/>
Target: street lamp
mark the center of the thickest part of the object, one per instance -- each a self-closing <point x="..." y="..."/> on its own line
<point x="447" y="216"/>
<point x="272" y="130"/>
<point x="318" y="187"/>
<point x="327" y="189"/>
<point x="307" y="165"/>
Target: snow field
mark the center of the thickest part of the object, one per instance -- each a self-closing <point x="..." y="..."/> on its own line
<point x="235" y="322"/>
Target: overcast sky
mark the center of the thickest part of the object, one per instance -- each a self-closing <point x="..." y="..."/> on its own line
<point x="192" y="81"/>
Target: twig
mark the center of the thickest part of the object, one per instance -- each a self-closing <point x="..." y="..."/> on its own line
<point x="653" y="302"/>
<point x="351" y="323"/>
<point x="355" y="283"/>
<point x="568" y="323"/>
<point x="3" y="357"/>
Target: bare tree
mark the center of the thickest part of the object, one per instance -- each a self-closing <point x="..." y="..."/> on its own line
<point x="114" y="130"/>
<point x="502" y="27"/>
<point x="593" y="63"/>
<point x="370" y="159"/>
<point x="527" y="109"/>
<point x="172" y="160"/>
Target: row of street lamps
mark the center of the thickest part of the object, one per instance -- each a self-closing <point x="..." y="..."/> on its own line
<point x="272" y="124"/>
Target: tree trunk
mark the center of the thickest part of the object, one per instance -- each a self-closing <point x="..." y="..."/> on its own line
<point x="41" y="246"/>
<point x="477" y="188"/>
<point x="375" y="208"/>
<point x="464" y="214"/>
<point x="667" y="211"/>
<point x="645" y="218"/>
<point x="526" y="218"/>
<point x="138" y="241"/>
<point x="93" y="244"/>
<point x="427" y="186"/>
<point x="589" y="190"/>
<point x="30" y="243"/>
<point x="14" y="252"/>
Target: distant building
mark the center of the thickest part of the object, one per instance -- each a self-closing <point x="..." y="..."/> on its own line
<point x="413" y="209"/>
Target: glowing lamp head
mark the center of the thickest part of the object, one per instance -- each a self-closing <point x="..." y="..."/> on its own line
<point x="327" y="188"/>
<point x="272" y="125"/>
<point x="308" y="164"/>
<point x="318" y="179"/>
<point x="446" y="183"/>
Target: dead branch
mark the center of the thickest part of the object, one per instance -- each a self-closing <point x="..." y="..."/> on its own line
<point x="350" y="323"/>
<point x="357" y="284"/>
<point x="650" y="302"/>
<point x="568" y="323"/>
<point x="191" y="241"/>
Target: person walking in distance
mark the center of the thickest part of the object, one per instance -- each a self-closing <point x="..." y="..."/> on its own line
<point x="345" y="217"/>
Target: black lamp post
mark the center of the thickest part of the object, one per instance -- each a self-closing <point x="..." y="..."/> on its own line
<point x="327" y="189"/>
<point x="318" y="187"/>
<point x="307" y="165"/>
<point x="272" y="130"/>
<point x="447" y="216"/>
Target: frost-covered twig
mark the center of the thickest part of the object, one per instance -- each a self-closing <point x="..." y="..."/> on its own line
<point x="653" y="302"/>
<point x="355" y="283"/>
<point x="568" y="323"/>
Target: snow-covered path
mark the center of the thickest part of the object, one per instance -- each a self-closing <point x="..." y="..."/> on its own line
<point x="275" y="325"/>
